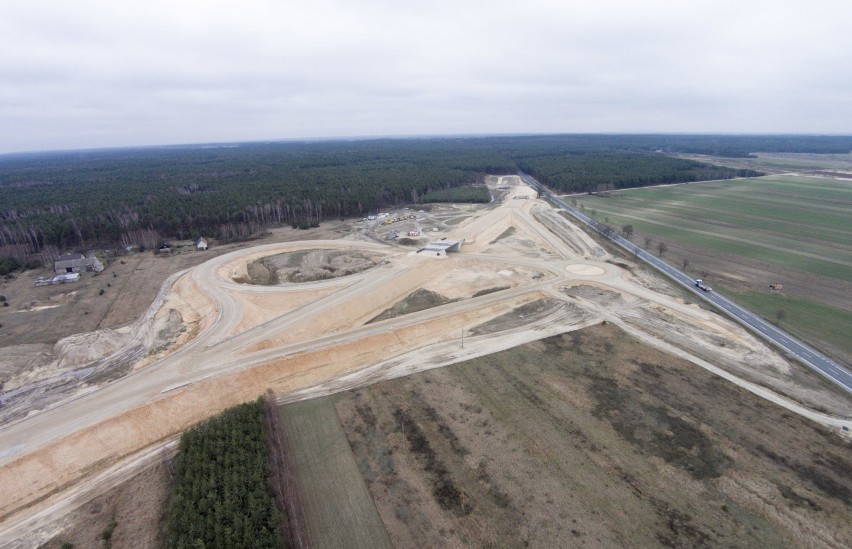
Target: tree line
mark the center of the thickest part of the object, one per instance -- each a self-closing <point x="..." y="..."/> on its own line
<point x="601" y="171"/>
<point x="56" y="202"/>
<point x="221" y="497"/>
<point x="471" y="194"/>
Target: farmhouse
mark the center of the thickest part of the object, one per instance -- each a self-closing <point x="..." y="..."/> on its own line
<point x="77" y="263"/>
<point x="201" y="243"/>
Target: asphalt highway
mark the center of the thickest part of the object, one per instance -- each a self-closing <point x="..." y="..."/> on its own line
<point x="806" y="354"/>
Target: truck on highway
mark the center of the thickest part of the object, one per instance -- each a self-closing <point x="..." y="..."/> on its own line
<point x="702" y="286"/>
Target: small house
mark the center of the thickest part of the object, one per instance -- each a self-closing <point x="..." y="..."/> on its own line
<point x="413" y="233"/>
<point x="201" y="243"/>
<point x="77" y="263"/>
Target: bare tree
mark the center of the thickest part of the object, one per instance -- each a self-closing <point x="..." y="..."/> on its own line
<point x="648" y="241"/>
<point x="661" y="248"/>
<point x="684" y="263"/>
<point x="780" y="315"/>
<point x="627" y="231"/>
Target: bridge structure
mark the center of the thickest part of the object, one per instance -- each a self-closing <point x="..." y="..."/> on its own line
<point x="442" y="247"/>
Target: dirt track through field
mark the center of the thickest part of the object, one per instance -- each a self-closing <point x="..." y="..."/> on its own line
<point x="319" y="341"/>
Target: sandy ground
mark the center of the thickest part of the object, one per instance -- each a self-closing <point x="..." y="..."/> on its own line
<point x="302" y="340"/>
<point x="58" y="342"/>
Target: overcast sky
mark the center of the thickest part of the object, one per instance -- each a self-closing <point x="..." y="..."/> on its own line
<point x="80" y="74"/>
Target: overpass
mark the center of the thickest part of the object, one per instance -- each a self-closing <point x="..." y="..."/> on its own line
<point x="442" y="247"/>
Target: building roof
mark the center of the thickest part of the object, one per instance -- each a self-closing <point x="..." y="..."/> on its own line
<point x="70" y="257"/>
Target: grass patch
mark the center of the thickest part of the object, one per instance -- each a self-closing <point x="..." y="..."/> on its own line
<point x="656" y="430"/>
<point x="338" y="509"/>
<point x="444" y="489"/>
<point x="294" y="259"/>
<point x="526" y="313"/>
<point x="505" y="234"/>
<point x="803" y="224"/>
<point x="419" y="300"/>
<point x="487" y="291"/>
<point x="809" y="320"/>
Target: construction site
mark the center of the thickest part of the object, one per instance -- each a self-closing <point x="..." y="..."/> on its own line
<point x="310" y="318"/>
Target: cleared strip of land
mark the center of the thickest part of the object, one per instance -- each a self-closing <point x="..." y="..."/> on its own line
<point x="338" y="510"/>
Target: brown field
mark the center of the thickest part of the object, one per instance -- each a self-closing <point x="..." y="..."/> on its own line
<point x="593" y="439"/>
<point x="134" y="512"/>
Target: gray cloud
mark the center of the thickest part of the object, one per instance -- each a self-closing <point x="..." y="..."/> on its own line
<point x="96" y="73"/>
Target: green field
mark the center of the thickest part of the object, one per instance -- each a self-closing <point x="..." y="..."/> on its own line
<point x="805" y="161"/>
<point x="338" y="509"/>
<point x="815" y="320"/>
<point x="743" y="234"/>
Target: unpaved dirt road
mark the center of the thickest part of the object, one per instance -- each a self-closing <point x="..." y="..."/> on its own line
<point x="320" y="342"/>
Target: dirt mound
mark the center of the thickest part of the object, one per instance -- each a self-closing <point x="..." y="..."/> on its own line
<point x="607" y="298"/>
<point x="260" y="272"/>
<point x="32" y="377"/>
<point x="19" y="359"/>
<point x="310" y="265"/>
<point x="87" y="347"/>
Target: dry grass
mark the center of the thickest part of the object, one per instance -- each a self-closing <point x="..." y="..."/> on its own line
<point x="591" y="438"/>
<point x="336" y="508"/>
<point x="419" y="300"/>
<point x="136" y="508"/>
